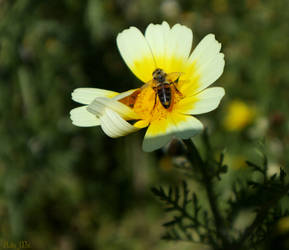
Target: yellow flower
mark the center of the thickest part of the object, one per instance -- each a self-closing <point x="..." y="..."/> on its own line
<point x="239" y="115"/>
<point x="283" y="225"/>
<point x="170" y="95"/>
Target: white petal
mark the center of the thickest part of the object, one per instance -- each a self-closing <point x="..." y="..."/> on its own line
<point x="176" y="125"/>
<point x="82" y="118"/>
<point x="135" y="51"/>
<point x="153" y="143"/>
<point x="87" y="95"/>
<point x="114" y="126"/>
<point x="99" y="104"/>
<point x="208" y="60"/>
<point x="124" y="94"/>
<point x="169" y="45"/>
<point x="188" y="126"/>
<point x="96" y="108"/>
<point x="180" y="41"/>
<point x="153" y="140"/>
<point x="205" y="101"/>
<point x="157" y="36"/>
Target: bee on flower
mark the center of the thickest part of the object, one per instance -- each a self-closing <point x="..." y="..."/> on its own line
<point x="174" y="90"/>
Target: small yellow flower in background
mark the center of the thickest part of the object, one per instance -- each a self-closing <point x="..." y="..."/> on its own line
<point x="239" y="115"/>
<point x="175" y="86"/>
<point x="235" y="161"/>
<point x="283" y="225"/>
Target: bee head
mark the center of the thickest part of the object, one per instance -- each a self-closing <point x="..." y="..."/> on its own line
<point x="159" y="75"/>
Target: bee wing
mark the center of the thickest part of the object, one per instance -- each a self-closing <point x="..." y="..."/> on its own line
<point x="174" y="76"/>
<point x="145" y="86"/>
<point x="148" y="84"/>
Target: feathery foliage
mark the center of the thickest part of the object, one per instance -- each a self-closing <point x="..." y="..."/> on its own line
<point x="214" y="224"/>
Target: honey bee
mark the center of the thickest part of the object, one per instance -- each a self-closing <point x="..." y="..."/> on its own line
<point x="163" y="83"/>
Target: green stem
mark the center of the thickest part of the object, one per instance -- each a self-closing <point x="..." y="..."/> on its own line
<point x="197" y="161"/>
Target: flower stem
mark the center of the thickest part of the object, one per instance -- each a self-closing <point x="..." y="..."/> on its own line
<point x="196" y="160"/>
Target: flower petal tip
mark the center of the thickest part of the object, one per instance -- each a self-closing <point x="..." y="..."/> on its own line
<point x="153" y="143"/>
<point x="82" y="118"/>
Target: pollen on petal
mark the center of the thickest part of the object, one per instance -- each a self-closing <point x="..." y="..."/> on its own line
<point x="145" y="102"/>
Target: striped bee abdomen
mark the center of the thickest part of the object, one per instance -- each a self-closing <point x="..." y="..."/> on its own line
<point x="165" y="94"/>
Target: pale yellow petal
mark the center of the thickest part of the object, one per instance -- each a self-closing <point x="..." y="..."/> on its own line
<point x="98" y="104"/>
<point x="157" y="36"/>
<point x="87" y="95"/>
<point x="186" y="126"/>
<point x="203" y="102"/>
<point x="158" y="134"/>
<point x="114" y="125"/>
<point x="208" y="63"/>
<point x="124" y="94"/>
<point x="82" y="118"/>
<point x="136" y="53"/>
<point x="170" y="47"/>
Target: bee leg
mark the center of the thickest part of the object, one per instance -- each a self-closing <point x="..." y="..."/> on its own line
<point x="177" y="80"/>
<point x="173" y="83"/>
<point x="155" y="89"/>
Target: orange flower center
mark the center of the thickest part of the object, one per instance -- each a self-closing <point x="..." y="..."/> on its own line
<point x="147" y="103"/>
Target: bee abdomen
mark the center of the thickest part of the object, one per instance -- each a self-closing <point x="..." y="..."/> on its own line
<point x="165" y="95"/>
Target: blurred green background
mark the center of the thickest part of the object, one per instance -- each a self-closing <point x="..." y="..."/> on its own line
<point x="64" y="187"/>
